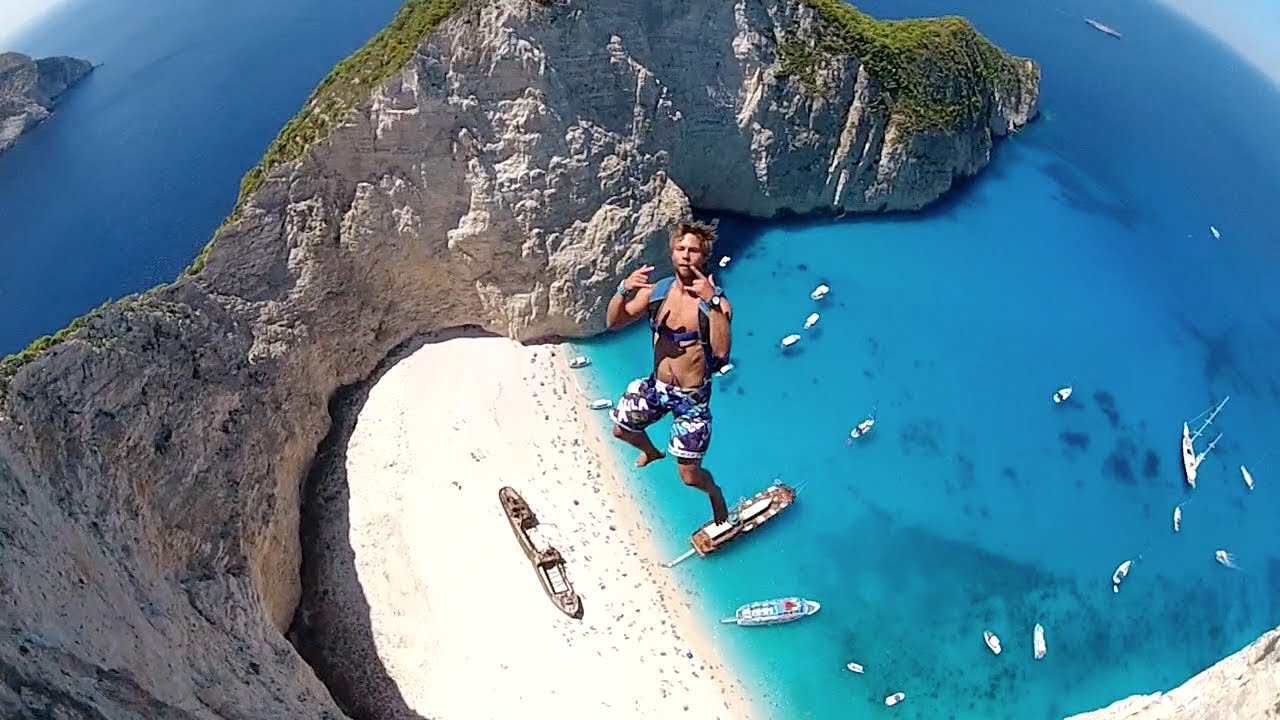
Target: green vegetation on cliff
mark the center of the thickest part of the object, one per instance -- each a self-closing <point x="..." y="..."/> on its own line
<point x="347" y="84"/>
<point x="350" y="82"/>
<point x="934" y="72"/>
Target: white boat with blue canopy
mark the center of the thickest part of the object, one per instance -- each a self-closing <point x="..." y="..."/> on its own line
<point x="773" y="612"/>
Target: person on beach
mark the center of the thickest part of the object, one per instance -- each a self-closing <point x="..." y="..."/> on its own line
<point x="690" y="318"/>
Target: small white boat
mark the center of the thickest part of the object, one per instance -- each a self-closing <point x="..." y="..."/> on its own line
<point x="724" y="261"/>
<point x="1225" y="558"/>
<point x="601" y="404"/>
<point x="1216" y="235"/>
<point x="1037" y="642"/>
<point x="1248" y="479"/>
<point x="1118" y="576"/>
<point x="853" y="667"/>
<point x="1062" y="394"/>
<point x="1177" y="518"/>
<point x="819" y="292"/>
<point x="863" y="428"/>
<point x="992" y="641"/>
<point x="894" y="699"/>
<point x="579" y="362"/>
<point x="725" y="369"/>
<point x="790" y="340"/>
<point x="811" y="321"/>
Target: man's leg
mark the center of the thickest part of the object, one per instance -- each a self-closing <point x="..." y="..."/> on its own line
<point x="636" y="410"/>
<point x="696" y="476"/>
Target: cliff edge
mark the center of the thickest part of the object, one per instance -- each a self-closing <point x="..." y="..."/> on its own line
<point x="496" y="163"/>
<point x="29" y="87"/>
<point x="1245" y="685"/>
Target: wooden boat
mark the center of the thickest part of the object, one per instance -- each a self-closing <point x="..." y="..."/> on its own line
<point x="750" y="514"/>
<point x="1037" y="642"/>
<point x="992" y="641"/>
<point x="548" y="564"/>
<point x="773" y="612"/>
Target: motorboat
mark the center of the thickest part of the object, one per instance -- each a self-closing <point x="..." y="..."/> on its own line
<point x="819" y="292"/>
<point x="725" y="369"/>
<point x="853" y="667"/>
<point x="580" y="361"/>
<point x="1062" y="394"/>
<point x="1037" y="642"/>
<point x="1248" y="478"/>
<point x="773" y="612"/>
<point x="724" y="261"/>
<point x="790" y="340"/>
<point x="1119" y="575"/>
<point x="601" y="404"/>
<point x="895" y="698"/>
<point x="1216" y="235"/>
<point x="1177" y="518"/>
<point x="863" y="428"/>
<point x="811" y="321"/>
<point x="992" y="641"/>
<point x="1103" y="28"/>
<point x="1226" y="559"/>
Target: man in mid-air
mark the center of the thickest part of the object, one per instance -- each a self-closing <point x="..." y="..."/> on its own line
<point x="689" y="317"/>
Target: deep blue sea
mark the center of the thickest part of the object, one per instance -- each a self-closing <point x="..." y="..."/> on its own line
<point x="1082" y="256"/>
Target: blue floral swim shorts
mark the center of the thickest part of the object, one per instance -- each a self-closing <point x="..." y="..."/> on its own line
<point x="647" y="400"/>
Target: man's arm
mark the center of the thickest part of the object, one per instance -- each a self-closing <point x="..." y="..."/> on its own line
<point x="720" y="321"/>
<point x="625" y="309"/>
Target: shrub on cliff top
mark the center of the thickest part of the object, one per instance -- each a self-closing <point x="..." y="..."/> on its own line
<point x="934" y="71"/>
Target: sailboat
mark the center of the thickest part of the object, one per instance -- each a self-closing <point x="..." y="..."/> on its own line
<point x="1190" y="459"/>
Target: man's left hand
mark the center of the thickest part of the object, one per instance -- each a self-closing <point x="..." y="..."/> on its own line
<point x="704" y="288"/>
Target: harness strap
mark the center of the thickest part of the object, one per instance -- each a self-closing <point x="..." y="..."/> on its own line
<point x="660" y="291"/>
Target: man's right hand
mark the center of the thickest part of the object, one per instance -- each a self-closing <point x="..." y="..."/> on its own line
<point x="638" y="279"/>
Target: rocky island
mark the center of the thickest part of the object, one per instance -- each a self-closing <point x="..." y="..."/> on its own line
<point x="174" y="465"/>
<point x="29" y="87"/>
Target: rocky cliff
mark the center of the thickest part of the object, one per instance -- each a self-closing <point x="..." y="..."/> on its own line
<point x="497" y="163"/>
<point x="28" y="89"/>
<point x="1244" y="686"/>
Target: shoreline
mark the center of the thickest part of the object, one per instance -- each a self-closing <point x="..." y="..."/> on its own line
<point x="459" y="620"/>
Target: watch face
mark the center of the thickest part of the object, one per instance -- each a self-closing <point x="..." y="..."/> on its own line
<point x="715" y="300"/>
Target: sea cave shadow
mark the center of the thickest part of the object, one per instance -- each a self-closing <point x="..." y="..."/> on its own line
<point x="331" y="628"/>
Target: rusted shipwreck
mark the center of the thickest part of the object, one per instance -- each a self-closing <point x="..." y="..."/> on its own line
<point x="548" y="564"/>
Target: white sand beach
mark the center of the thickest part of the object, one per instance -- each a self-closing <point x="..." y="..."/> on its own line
<point x="458" y="616"/>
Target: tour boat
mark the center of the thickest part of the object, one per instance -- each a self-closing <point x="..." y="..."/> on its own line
<point x="745" y="516"/>
<point x="1062" y="394"/>
<point x="811" y="321"/>
<point x="992" y="641"/>
<point x="579" y="362"/>
<point x="1037" y="642"/>
<point x="819" y="292"/>
<point x="894" y="699"/>
<point x="773" y="612"/>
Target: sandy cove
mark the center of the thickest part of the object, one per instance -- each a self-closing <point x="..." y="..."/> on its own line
<point x="458" y="617"/>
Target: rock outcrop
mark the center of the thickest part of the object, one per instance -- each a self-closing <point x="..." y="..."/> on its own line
<point x="525" y="156"/>
<point x="29" y="87"/>
<point x="1244" y="685"/>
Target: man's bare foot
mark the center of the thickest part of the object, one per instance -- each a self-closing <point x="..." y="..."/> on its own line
<point x="646" y="458"/>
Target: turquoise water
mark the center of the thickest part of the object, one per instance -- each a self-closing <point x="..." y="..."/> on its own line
<point x="1082" y="257"/>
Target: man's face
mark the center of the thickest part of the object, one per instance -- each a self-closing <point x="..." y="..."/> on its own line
<point x="687" y="254"/>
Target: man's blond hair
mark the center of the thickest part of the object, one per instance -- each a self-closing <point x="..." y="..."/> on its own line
<point x="706" y="233"/>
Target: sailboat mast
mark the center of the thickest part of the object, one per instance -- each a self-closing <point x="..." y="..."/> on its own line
<point x="1209" y="419"/>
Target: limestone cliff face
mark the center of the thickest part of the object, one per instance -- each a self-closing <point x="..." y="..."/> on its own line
<point x="527" y="156"/>
<point x="1243" y="686"/>
<point x="28" y="89"/>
